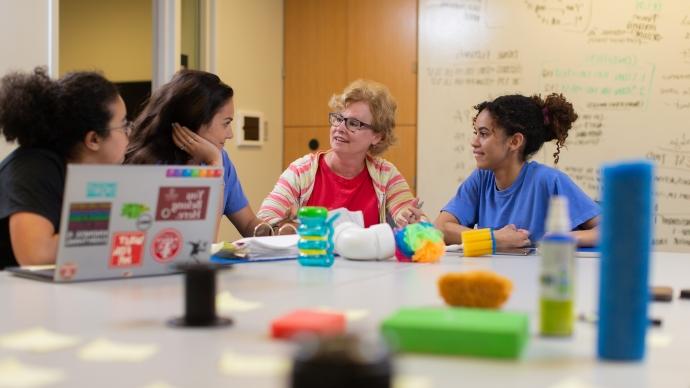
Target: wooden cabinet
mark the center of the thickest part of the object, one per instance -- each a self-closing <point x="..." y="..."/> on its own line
<point x="315" y="56"/>
<point x="404" y="152"/>
<point x="328" y="44"/>
<point x="296" y="141"/>
<point x="382" y="46"/>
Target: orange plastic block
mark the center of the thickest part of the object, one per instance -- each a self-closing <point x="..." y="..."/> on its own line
<point x="307" y="321"/>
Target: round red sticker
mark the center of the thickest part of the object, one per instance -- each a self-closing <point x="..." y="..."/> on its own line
<point x="67" y="270"/>
<point x="166" y="245"/>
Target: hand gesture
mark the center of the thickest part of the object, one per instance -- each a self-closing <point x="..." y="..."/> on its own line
<point x="510" y="237"/>
<point x="200" y="149"/>
<point x="411" y="214"/>
<point x="288" y="225"/>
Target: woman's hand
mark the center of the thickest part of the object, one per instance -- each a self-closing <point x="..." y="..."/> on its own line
<point x="510" y="237"/>
<point x="411" y="214"/>
<point x="199" y="148"/>
<point x="288" y="225"/>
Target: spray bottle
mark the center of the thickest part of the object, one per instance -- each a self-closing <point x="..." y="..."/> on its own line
<point x="557" y="271"/>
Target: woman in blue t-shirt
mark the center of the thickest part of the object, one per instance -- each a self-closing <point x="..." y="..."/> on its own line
<point x="509" y="193"/>
<point x="187" y="121"/>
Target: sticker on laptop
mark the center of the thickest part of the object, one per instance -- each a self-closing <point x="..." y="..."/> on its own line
<point x="127" y="249"/>
<point x="67" y="270"/>
<point x="166" y="245"/>
<point x="101" y="189"/>
<point x="198" y="247"/>
<point x="133" y="211"/>
<point x="144" y="222"/>
<point x="182" y="203"/>
<point x="88" y="224"/>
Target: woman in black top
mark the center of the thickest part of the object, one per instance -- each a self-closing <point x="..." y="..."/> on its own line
<point x="79" y="118"/>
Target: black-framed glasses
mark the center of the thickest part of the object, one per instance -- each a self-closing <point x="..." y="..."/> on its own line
<point x="351" y="123"/>
<point x="126" y="128"/>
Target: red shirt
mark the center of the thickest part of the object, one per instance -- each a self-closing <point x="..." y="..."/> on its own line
<point x="333" y="191"/>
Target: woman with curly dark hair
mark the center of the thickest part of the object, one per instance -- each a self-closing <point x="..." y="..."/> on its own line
<point x="509" y="193"/>
<point x="187" y="121"/>
<point x="79" y="118"/>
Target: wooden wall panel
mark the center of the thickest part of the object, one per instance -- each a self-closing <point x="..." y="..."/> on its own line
<point x="329" y="43"/>
<point x="297" y="141"/>
<point x="404" y="153"/>
<point x="315" y="58"/>
<point x="382" y="46"/>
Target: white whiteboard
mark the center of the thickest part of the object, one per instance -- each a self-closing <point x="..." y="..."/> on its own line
<point x="624" y="64"/>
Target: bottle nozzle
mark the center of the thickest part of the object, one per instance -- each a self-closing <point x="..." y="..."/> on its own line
<point x="558" y="217"/>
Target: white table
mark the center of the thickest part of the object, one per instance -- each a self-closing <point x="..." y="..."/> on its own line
<point x="136" y="310"/>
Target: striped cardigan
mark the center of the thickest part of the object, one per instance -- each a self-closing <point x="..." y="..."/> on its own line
<point x="295" y="185"/>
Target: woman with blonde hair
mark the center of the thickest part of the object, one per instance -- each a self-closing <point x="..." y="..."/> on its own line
<point x="351" y="174"/>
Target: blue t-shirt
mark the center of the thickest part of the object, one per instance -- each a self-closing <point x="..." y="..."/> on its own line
<point x="478" y="201"/>
<point x="234" y="198"/>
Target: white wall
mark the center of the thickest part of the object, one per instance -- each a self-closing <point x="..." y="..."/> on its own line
<point x="112" y="36"/>
<point x="249" y="57"/>
<point x="25" y="36"/>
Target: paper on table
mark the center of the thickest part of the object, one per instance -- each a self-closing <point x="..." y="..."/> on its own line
<point x="411" y="382"/>
<point x="351" y="315"/>
<point x="15" y="374"/>
<point x="505" y="252"/>
<point x="572" y="382"/>
<point x="658" y="340"/>
<point x="224" y="249"/>
<point x="356" y="217"/>
<point x="38" y="267"/>
<point x="246" y="365"/>
<point x="270" y="247"/>
<point x="226" y="302"/>
<point x="587" y="252"/>
<point x="37" y="339"/>
<point x="158" y="384"/>
<point x="104" y="350"/>
<point x="454" y="248"/>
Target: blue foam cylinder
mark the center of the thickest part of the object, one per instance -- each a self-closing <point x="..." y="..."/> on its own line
<point x="626" y="241"/>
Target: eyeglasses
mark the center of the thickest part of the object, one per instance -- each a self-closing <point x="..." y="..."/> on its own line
<point x="351" y="123"/>
<point x="265" y="229"/>
<point x="126" y="128"/>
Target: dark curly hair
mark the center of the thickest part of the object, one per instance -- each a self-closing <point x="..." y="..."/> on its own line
<point x="539" y="120"/>
<point x="85" y="98"/>
<point x="36" y="111"/>
<point x="191" y="99"/>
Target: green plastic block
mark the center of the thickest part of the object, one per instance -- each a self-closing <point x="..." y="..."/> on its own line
<point x="461" y="331"/>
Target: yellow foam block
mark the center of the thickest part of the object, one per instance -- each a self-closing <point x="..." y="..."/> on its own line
<point x="477" y="242"/>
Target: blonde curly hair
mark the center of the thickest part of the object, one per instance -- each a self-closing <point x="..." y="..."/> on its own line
<point x="381" y="104"/>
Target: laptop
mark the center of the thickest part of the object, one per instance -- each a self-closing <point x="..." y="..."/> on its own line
<point x="128" y="221"/>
